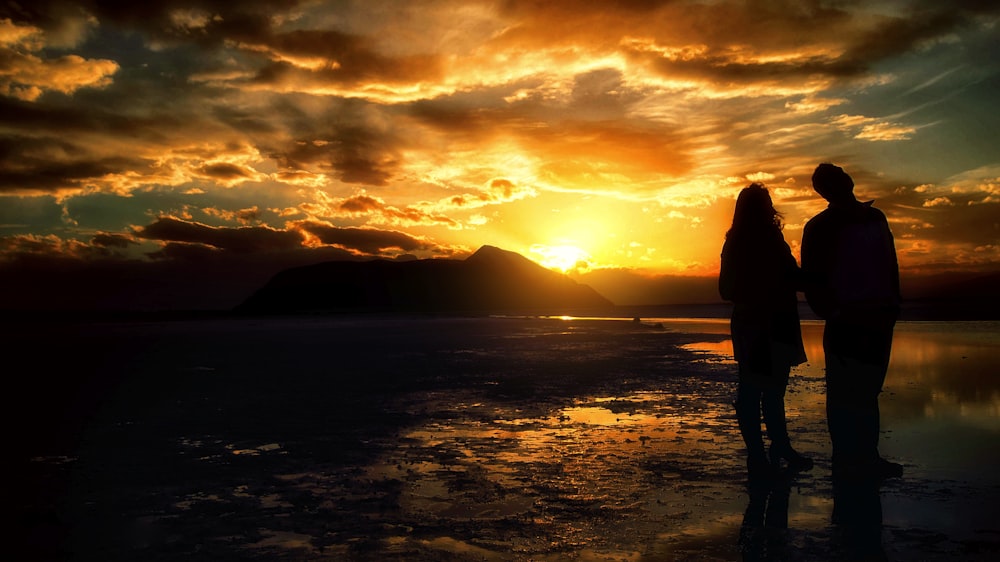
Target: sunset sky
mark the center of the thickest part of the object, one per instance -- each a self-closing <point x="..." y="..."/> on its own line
<point x="147" y="140"/>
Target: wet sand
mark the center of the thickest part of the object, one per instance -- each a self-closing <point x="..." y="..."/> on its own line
<point x="437" y="439"/>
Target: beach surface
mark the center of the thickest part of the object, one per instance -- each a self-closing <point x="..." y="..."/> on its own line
<point x="440" y="439"/>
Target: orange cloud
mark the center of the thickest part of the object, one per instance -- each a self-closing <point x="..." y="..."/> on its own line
<point x="26" y="75"/>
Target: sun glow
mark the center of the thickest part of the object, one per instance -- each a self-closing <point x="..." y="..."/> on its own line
<point x="563" y="257"/>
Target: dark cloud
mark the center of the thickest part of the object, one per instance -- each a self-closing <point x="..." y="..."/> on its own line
<point x="182" y="277"/>
<point x="29" y="246"/>
<point x="190" y="240"/>
<point x="157" y="18"/>
<point x="240" y="240"/>
<point x="225" y="171"/>
<point x="50" y="146"/>
<point x="932" y="20"/>
<point x="346" y="59"/>
<point x="366" y="240"/>
<point x="250" y="27"/>
<point x="351" y="154"/>
<point x="51" y="164"/>
<point x="109" y="240"/>
<point x="348" y="139"/>
<point x="717" y="34"/>
<point x="378" y="211"/>
<point x="109" y="116"/>
<point x="248" y="215"/>
<point x="187" y="253"/>
<point x="360" y="204"/>
<point x="484" y="112"/>
<point x="720" y="66"/>
<point x="944" y="219"/>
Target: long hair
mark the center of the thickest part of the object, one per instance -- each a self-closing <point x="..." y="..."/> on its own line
<point x="755" y="213"/>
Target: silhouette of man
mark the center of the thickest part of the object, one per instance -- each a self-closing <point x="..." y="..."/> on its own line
<point x="852" y="282"/>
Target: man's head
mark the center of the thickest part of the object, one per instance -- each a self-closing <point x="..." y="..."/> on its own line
<point x="833" y="183"/>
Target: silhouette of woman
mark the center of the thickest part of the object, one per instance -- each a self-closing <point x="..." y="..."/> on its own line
<point x="760" y="276"/>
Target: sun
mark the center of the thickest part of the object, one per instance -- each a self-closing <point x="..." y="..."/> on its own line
<point x="561" y="257"/>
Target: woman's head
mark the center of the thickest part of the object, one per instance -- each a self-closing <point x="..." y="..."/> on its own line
<point x="755" y="211"/>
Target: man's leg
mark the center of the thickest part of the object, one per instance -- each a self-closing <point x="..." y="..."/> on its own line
<point x="838" y="398"/>
<point x="857" y="385"/>
<point x="857" y="359"/>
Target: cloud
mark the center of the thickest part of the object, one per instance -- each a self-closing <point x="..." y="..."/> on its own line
<point x="240" y="240"/>
<point x="242" y="216"/>
<point x="48" y="164"/>
<point x="330" y="61"/>
<point x="191" y="238"/>
<point x="364" y="240"/>
<point x="360" y="204"/>
<point x="227" y="173"/>
<point x="110" y="240"/>
<point x="376" y="211"/>
<point x="379" y="122"/>
<point x="26" y="75"/>
<point x="947" y="222"/>
<point x="938" y="202"/>
<point x="23" y="245"/>
<point x="872" y="129"/>
<point x="54" y="148"/>
<point x="499" y="190"/>
<point x="350" y="140"/>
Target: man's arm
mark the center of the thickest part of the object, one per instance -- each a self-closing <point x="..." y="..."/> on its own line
<point x="817" y="267"/>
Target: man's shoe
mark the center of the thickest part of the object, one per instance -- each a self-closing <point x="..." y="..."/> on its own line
<point x="796" y="462"/>
<point x="878" y="469"/>
<point x="888" y="469"/>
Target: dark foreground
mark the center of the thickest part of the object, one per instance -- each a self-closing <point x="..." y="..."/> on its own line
<point x="421" y="439"/>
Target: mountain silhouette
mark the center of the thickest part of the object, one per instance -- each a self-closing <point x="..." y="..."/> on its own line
<point x="491" y="280"/>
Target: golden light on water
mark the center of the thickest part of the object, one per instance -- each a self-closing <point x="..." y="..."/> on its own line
<point x="545" y="453"/>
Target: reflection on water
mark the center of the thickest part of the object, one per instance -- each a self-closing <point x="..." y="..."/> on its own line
<point x="940" y="413"/>
<point x="516" y="440"/>
<point x="941" y="394"/>
<point x="649" y="458"/>
<point x="670" y="463"/>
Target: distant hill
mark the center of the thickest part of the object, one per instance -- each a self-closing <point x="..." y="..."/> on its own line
<point x="630" y="287"/>
<point x="951" y="296"/>
<point x="946" y="296"/>
<point x="491" y="280"/>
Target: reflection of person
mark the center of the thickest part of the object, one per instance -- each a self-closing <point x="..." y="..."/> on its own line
<point x="857" y="514"/>
<point x="764" y="532"/>
<point x="852" y="282"/>
<point x="760" y="276"/>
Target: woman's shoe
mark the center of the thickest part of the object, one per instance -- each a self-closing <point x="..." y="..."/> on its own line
<point x="795" y="461"/>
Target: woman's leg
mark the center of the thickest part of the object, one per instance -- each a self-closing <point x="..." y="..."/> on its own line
<point x="773" y="404"/>
<point x="748" y="409"/>
<point x="748" y="403"/>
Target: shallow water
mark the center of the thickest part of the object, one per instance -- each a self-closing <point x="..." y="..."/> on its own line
<point x="943" y="382"/>
<point x="482" y="439"/>
<point x="940" y="414"/>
